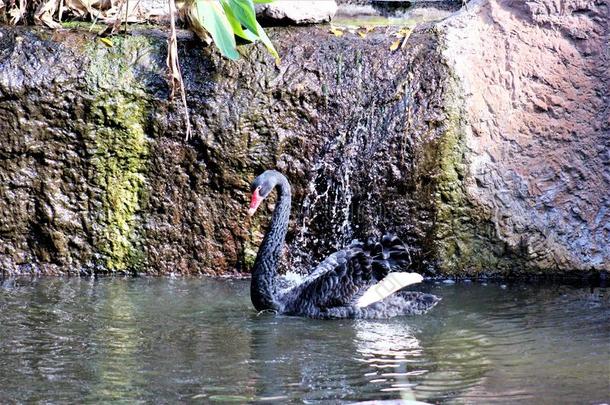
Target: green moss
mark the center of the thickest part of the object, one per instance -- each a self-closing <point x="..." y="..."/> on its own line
<point x="120" y="150"/>
<point x="249" y="256"/>
<point x="453" y="243"/>
<point x="464" y="234"/>
<point x="114" y="68"/>
<point x="120" y="159"/>
<point x="78" y="25"/>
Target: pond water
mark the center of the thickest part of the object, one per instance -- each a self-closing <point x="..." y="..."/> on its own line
<point x="198" y="340"/>
<point x="383" y="14"/>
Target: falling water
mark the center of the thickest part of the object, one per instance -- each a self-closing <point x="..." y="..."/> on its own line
<point x="343" y="201"/>
<point x="341" y="186"/>
<point x="370" y="173"/>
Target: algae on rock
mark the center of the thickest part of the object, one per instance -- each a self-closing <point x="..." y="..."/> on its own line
<point x="96" y="175"/>
<point x="120" y="150"/>
<point x="465" y="239"/>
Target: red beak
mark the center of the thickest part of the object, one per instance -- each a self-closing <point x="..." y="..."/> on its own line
<point x="255" y="202"/>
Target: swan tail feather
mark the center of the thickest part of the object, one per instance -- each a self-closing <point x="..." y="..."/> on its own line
<point x="388" y="286"/>
<point x="389" y="254"/>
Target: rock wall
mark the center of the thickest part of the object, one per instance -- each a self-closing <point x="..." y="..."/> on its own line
<point x="96" y="174"/>
<point x="535" y="80"/>
<point x="482" y="160"/>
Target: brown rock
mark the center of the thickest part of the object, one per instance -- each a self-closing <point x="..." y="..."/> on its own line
<point x="561" y="213"/>
<point x="483" y="143"/>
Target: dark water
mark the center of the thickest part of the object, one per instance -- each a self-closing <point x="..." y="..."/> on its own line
<point x="198" y="340"/>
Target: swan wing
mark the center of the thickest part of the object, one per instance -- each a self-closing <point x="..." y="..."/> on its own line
<point x="388" y="286"/>
<point x="345" y="275"/>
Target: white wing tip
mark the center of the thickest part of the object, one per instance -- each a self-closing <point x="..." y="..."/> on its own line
<point x="388" y="286"/>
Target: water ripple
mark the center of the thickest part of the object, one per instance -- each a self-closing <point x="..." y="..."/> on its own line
<point x="158" y="340"/>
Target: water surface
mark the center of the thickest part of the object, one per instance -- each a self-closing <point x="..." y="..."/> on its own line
<point x="198" y="340"/>
<point x="367" y="15"/>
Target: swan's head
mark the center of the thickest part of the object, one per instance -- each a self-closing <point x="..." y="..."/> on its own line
<point x="261" y="187"/>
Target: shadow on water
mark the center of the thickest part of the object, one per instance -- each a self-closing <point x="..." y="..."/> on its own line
<point x="166" y="340"/>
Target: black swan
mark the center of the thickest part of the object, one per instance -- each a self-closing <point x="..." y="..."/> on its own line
<point x="359" y="281"/>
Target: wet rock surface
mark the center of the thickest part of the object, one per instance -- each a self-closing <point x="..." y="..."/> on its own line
<point x="536" y="79"/>
<point x="184" y="209"/>
<point x="96" y="174"/>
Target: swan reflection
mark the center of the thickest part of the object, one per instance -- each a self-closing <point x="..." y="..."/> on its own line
<point x="392" y="352"/>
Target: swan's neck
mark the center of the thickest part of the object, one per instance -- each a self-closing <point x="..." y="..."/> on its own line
<point x="264" y="274"/>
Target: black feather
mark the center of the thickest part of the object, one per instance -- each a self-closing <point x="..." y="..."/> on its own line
<point x="334" y="286"/>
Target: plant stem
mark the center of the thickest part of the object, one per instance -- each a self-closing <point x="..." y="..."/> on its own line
<point x="173" y="65"/>
<point x="126" y="15"/>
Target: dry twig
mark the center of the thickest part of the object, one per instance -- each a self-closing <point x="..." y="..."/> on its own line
<point x="173" y="65"/>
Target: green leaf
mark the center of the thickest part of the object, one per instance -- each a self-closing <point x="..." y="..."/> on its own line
<point x="247" y="34"/>
<point x="213" y="18"/>
<point x="236" y="25"/>
<point x="225" y="19"/>
<point x="265" y="40"/>
<point x="244" y="12"/>
<point x="263" y="1"/>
